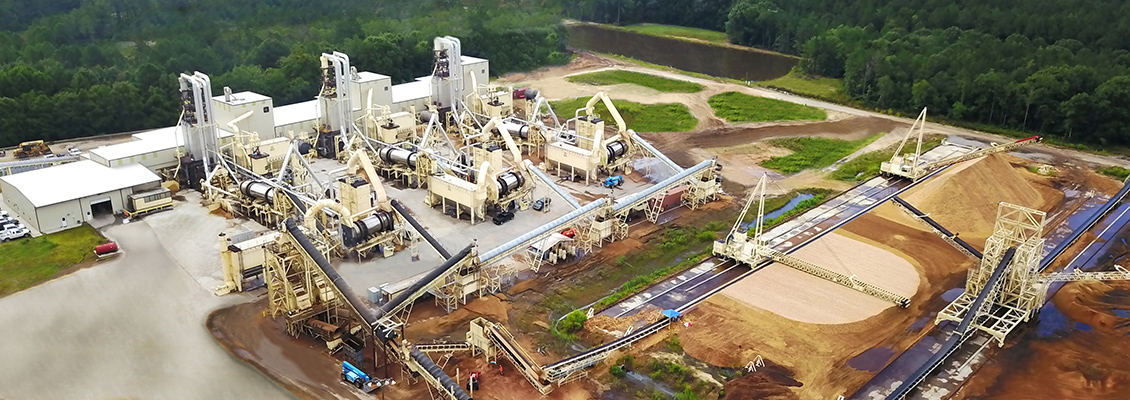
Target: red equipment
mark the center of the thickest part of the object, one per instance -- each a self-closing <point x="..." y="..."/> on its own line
<point x="106" y="248"/>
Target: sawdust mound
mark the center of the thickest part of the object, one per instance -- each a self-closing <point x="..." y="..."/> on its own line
<point x="609" y="324"/>
<point x="490" y="307"/>
<point x="770" y="382"/>
<point x="965" y="199"/>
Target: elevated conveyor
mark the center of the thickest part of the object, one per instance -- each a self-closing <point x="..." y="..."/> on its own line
<point x="553" y="185"/>
<point x="654" y="152"/>
<point x="432" y="373"/>
<point x="945" y="234"/>
<point x="519" y="243"/>
<point x="420" y="230"/>
<point x="959" y="334"/>
<point x="637" y="199"/>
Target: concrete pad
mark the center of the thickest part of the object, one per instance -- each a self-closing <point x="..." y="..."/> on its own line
<point x="131" y="327"/>
<point x="190" y="234"/>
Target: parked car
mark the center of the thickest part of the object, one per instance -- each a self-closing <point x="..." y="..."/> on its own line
<point x="13" y="232"/>
<point x="49" y="156"/>
<point x="542" y="203"/>
<point x="503" y="217"/>
<point x="74" y="152"/>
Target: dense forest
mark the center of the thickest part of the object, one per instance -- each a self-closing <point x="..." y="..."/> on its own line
<point x="74" y="68"/>
<point x="1059" y="67"/>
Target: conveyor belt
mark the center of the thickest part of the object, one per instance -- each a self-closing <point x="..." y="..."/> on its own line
<point x="1090" y="222"/>
<point x="941" y="229"/>
<point x="420" y="230"/>
<point x="369" y="315"/>
<point x="959" y="334"/>
<point x="553" y="185"/>
<point x="437" y="372"/>
<point x="951" y="345"/>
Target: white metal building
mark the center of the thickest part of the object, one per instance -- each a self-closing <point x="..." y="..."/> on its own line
<point x="65" y="196"/>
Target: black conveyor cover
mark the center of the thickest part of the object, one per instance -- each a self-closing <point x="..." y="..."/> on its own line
<point x="419" y="228"/>
<point x="427" y="279"/>
<point x="367" y="313"/>
<point x="437" y="372"/>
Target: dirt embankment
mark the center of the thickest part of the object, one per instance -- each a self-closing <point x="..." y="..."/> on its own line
<point x="727" y="332"/>
<point x="299" y="365"/>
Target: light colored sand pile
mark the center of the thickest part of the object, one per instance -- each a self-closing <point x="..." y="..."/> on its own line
<point x="802" y="297"/>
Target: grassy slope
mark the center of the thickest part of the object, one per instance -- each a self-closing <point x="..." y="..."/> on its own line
<point x="613" y="77"/>
<point x="813" y="152"/>
<point x="667" y="117"/>
<point x="740" y="107"/>
<point x="26" y="262"/>
<point x="673" y="31"/>
<point x="815" y="87"/>
<point x="867" y="165"/>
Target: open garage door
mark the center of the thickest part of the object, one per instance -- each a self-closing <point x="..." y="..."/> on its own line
<point x="102" y="209"/>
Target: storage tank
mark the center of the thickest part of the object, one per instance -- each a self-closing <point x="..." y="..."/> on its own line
<point x="106" y="248"/>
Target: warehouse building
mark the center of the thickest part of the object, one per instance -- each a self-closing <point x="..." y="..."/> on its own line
<point x="53" y="199"/>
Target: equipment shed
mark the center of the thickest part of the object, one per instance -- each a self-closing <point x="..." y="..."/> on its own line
<point x="65" y="196"/>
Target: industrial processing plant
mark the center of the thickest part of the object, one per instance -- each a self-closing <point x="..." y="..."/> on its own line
<point x="464" y="235"/>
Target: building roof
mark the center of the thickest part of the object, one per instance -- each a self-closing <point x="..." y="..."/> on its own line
<point x="47" y="186"/>
<point x="241" y="98"/>
<point x="294" y="113"/>
<point x="366" y="76"/>
<point x="411" y="91"/>
<point x="146" y="142"/>
<point x="467" y="60"/>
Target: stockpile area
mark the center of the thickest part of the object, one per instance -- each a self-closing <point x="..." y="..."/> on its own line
<point x="802" y="297"/>
<point x="726" y="331"/>
<point x="964" y="198"/>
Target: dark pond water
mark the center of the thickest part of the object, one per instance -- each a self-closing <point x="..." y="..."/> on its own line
<point x="694" y="57"/>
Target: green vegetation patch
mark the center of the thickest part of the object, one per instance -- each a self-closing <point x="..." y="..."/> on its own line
<point x="813" y="152"/>
<point x="867" y="165"/>
<point x="1115" y="172"/>
<point x="614" y="77"/>
<point x="26" y="262"/>
<point x="665" y="117"/>
<point x="828" y="89"/>
<point x="775" y="203"/>
<point x="642" y="282"/>
<point x="677" y="32"/>
<point x="741" y="107"/>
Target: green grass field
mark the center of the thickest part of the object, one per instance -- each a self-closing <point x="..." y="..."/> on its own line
<point x="813" y="152"/>
<point x="673" y="31"/>
<point x="666" y="117"/>
<point x="867" y="165"/>
<point x="613" y="77"/>
<point x="1115" y="172"/>
<point x="30" y="261"/>
<point x="818" y="88"/>
<point x="740" y="107"/>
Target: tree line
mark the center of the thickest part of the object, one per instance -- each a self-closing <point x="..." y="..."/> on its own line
<point x="79" y="68"/>
<point x="1058" y="67"/>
